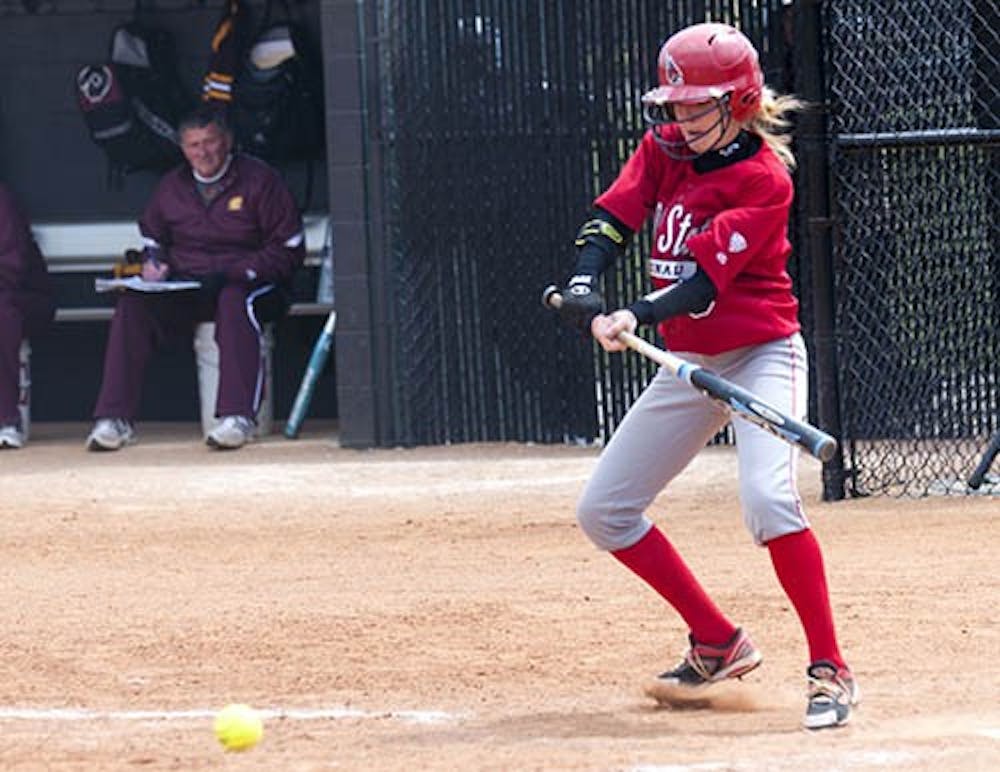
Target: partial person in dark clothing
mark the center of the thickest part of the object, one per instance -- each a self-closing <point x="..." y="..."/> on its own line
<point x="230" y="222"/>
<point x="26" y="309"/>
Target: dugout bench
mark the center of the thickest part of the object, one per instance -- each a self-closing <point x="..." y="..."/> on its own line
<point x="78" y="252"/>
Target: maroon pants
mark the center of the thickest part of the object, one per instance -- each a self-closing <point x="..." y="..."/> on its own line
<point x="22" y="315"/>
<point x="145" y="322"/>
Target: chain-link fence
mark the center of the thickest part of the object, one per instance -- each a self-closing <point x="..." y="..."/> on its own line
<point x="503" y="119"/>
<point x="913" y="94"/>
<point x="500" y="120"/>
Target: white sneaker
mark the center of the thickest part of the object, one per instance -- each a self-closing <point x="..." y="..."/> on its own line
<point x="233" y="431"/>
<point x="832" y="693"/>
<point x="11" y="437"/>
<point x="110" y="434"/>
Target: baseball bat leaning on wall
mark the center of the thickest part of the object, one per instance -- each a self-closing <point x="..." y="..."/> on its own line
<point x="985" y="462"/>
<point x="742" y="402"/>
<point x="317" y="360"/>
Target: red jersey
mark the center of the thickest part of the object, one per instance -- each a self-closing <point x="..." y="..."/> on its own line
<point x="728" y="217"/>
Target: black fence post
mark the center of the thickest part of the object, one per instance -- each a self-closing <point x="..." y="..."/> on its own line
<point x="353" y="164"/>
<point x="814" y="192"/>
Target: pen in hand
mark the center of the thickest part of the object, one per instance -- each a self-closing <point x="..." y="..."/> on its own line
<point x="153" y="269"/>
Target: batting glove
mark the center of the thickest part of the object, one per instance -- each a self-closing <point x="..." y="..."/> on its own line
<point x="581" y="302"/>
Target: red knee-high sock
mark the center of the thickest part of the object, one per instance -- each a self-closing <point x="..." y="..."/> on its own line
<point x="656" y="562"/>
<point x="798" y="562"/>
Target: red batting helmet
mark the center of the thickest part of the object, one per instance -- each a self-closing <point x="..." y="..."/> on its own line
<point x="709" y="61"/>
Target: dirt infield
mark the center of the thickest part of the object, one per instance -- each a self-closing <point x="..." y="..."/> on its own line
<point x="439" y="609"/>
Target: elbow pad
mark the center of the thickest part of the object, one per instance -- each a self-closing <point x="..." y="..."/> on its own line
<point x="601" y="241"/>
<point x="692" y="296"/>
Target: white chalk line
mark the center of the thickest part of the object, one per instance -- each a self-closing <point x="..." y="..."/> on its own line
<point x="425" y="489"/>
<point x="290" y="714"/>
<point x="461" y="487"/>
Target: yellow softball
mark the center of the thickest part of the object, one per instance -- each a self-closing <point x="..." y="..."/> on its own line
<point x="238" y="727"/>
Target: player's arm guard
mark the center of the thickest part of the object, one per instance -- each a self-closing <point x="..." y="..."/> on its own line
<point x="600" y="241"/>
<point x="692" y="296"/>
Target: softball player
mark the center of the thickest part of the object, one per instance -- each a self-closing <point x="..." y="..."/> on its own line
<point x="713" y="173"/>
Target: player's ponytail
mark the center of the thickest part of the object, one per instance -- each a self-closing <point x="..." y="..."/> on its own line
<point x="771" y="123"/>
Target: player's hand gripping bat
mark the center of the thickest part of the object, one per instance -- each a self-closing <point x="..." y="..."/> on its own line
<point x="742" y="402"/>
<point x="320" y="353"/>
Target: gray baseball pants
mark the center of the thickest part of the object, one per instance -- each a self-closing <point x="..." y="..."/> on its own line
<point x="671" y="422"/>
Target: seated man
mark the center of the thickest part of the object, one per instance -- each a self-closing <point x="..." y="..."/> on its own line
<point x="26" y="308"/>
<point x="229" y="221"/>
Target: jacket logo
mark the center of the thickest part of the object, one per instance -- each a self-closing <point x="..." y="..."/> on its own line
<point x="737" y="242"/>
<point x="235" y="204"/>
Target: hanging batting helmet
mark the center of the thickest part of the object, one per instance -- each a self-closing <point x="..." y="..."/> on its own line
<point x="709" y="61"/>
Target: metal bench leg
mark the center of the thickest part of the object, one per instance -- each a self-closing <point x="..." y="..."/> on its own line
<point x="24" y="387"/>
<point x="980" y="474"/>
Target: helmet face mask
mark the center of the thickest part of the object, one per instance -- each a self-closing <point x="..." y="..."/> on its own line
<point x="659" y="115"/>
<point x="705" y="63"/>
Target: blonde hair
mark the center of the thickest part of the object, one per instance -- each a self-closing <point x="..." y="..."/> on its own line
<point x="772" y="125"/>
